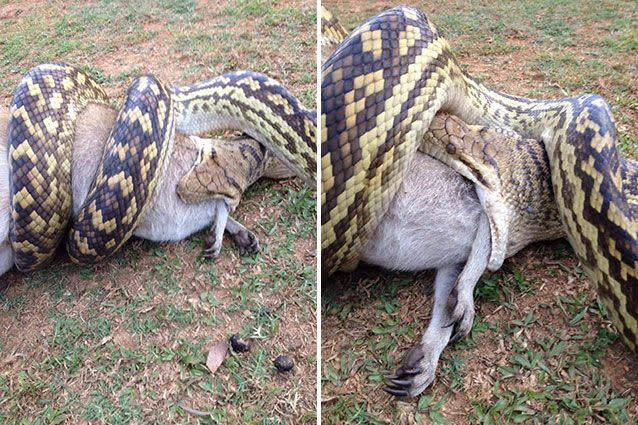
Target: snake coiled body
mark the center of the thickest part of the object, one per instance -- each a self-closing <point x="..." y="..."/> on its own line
<point x="134" y="159"/>
<point x="257" y="106"/>
<point x="380" y="92"/>
<point x="511" y="176"/>
<point x="41" y="134"/>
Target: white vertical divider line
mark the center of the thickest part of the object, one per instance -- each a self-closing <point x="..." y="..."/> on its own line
<point x="318" y="256"/>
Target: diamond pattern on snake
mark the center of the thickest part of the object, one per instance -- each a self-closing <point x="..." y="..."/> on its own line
<point x="416" y="155"/>
<point x="145" y="179"/>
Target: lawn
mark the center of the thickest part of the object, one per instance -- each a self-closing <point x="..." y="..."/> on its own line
<point x="542" y="349"/>
<point x="125" y="341"/>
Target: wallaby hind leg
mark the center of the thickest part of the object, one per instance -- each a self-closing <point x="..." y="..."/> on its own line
<point x="452" y="318"/>
<point x="419" y="364"/>
<point x="245" y="240"/>
<point x="215" y="237"/>
<point x="460" y="303"/>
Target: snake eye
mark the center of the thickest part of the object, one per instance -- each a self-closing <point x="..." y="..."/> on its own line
<point x="450" y="148"/>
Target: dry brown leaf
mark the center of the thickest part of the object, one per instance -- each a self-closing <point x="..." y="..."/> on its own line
<point x="216" y="356"/>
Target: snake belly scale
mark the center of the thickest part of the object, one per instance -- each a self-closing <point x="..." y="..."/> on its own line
<point x="41" y="134"/>
<point x="381" y="89"/>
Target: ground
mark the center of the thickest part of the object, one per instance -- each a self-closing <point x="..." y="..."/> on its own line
<point x="125" y="341"/>
<point x="542" y="349"/>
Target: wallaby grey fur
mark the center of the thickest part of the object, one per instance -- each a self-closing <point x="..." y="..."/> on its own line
<point x="435" y="222"/>
<point x="168" y="219"/>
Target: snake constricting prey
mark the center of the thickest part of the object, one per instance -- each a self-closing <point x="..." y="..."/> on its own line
<point x="41" y="132"/>
<point x="381" y="90"/>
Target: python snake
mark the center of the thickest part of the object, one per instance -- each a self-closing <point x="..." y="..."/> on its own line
<point x="224" y="170"/>
<point x="41" y="134"/>
<point x="381" y="90"/>
<point x="332" y="32"/>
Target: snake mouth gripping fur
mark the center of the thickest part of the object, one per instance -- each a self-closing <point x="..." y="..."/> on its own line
<point x="41" y="133"/>
<point x="258" y="106"/>
<point x="381" y="90"/>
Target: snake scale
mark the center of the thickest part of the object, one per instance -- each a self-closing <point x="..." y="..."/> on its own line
<point x="224" y="170"/>
<point x="41" y="134"/>
<point x="380" y="92"/>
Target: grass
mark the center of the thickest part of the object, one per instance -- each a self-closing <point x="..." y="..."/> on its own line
<point x="542" y="349"/>
<point x="188" y="43"/>
<point x="531" y="355"/>
<point x="125" y="341"/>
<point x="154" y="330"/>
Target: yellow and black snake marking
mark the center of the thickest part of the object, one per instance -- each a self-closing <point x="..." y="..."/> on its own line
<point x="380" y="91"/>
<point x="133" y="161"/>
<point x="332" y="32"/>
<point x="41" y="132"/>
<point x="258" y="106"/>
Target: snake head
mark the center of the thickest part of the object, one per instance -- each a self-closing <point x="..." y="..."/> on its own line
<point x="198" y="185"/>
<point x="219" y="173"/>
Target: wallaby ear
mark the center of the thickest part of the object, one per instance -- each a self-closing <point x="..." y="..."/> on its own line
<point x="198" y="142"/>
<point x="205" y="147"/>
